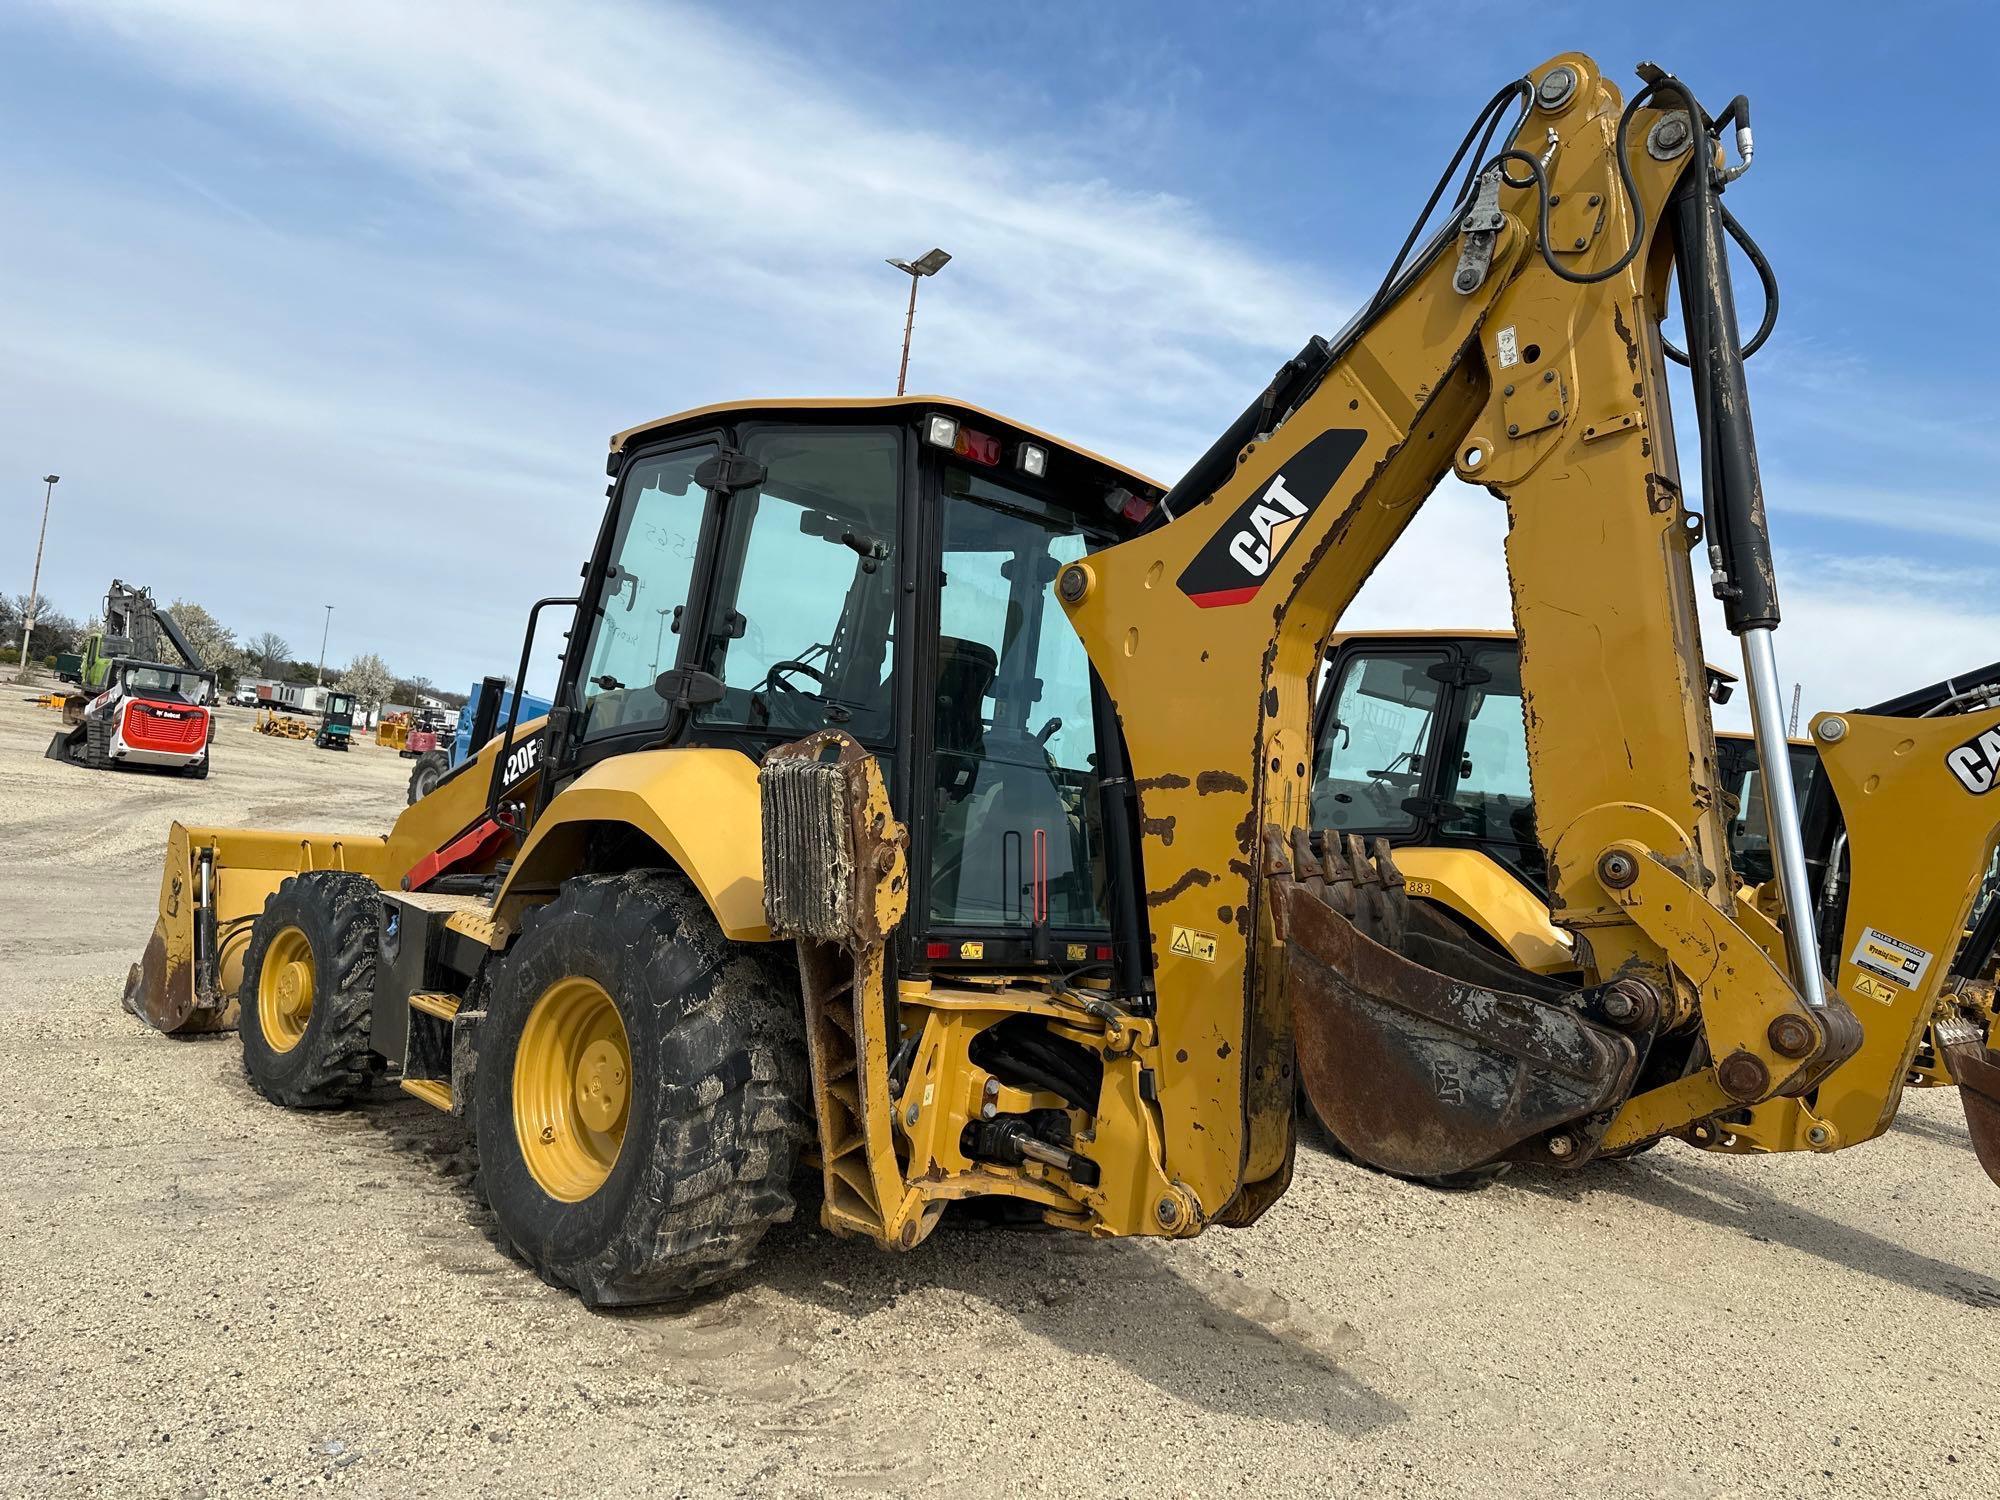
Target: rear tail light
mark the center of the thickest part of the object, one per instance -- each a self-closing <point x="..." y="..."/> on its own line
<point x="941" y="431"/>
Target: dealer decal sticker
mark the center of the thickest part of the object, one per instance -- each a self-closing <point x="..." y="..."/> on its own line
<point x="1889" y="958"/>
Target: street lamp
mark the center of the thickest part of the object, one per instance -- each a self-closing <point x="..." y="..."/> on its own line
<point x="927" y="264"/>
<point x="35" y="588"/>
<point x="320" y="681"/>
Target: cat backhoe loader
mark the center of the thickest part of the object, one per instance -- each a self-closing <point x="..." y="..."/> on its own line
<point x="929" y="800"/>
<point x="1418" y="741"/>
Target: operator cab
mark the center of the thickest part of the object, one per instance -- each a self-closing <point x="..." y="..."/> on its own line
<point x="883" y="568"/>
<point x="161" y="683"/>
<point x="1419" y="738"/>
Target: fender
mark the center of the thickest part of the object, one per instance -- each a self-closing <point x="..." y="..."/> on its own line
<point x="700" y="806"/>
<point x="1482" y="891"/>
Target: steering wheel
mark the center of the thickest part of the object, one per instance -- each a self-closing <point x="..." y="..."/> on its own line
<point x="780" y="670"/>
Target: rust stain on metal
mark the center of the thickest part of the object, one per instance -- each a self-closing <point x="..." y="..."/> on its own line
<point x="1209" y="782"/>
<point x="1159" y="828"/>
<point x="1190" y="879"/>
<point x="1625" y="336"/>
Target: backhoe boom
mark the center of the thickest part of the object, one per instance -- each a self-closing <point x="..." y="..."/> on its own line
<point x="1529" y="364"/>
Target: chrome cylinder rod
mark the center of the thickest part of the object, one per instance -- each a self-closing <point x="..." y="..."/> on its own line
<point x="1781" y="810"/>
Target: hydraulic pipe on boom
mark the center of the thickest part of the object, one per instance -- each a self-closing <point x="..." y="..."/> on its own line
<point x="1739" y="542"/>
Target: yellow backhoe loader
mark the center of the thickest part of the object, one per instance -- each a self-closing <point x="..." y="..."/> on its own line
<point x="930" y="799"/>
<point x="1418" y="741"/>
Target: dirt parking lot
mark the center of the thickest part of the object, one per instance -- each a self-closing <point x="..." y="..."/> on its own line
<point x="201" y="1294"/>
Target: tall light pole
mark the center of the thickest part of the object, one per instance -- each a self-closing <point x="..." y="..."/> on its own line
<point x="35" y="588"/>
<point x="927" y="264"/>
<point x="320" y="681"/>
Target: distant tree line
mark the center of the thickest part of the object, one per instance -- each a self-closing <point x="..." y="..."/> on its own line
<point x="263" y="655"/>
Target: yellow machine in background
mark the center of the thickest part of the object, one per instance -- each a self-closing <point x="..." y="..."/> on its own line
<point x="281" y="725"/>
<point x="1419" y="740"/>
<point x="933" y="798"/>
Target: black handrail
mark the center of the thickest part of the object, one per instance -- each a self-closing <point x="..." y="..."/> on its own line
<point x="495" y="785"/>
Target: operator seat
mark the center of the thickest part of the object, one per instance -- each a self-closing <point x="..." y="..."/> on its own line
<point x="966" y="670"/>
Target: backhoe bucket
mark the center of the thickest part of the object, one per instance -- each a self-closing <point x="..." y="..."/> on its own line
<point x="1421" y="1055"/>
<point x="1975" y="1068"/>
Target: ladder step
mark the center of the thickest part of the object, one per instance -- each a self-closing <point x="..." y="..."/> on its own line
<point x="431" y="1003"/>
<point x="433" y="1091"/>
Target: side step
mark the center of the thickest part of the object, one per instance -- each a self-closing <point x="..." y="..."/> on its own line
<point x="433" y="1091"/>
<point x="438" y="1065"/>
<point x="432" y="1003"/>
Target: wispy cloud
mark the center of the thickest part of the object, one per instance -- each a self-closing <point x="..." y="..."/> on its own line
<point x="492" y="234"/>
<point x="707" y="162"/>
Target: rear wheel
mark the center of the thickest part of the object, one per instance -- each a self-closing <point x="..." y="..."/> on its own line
<point x="196" y="770"/>
<point x="308" y="987"/>
<point x="641" y="1092"/>
<point x="426" y="774"/>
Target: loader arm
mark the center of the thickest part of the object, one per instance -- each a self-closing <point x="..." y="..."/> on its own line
<point x="1488" y="358"/>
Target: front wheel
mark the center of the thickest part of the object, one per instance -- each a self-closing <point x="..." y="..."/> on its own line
<point x="641" y="1094"/>
<point x="308" y="990"/>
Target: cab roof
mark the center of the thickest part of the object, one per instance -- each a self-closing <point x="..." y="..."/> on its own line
<point x="1341" y="637"/>
<point x="964" y="409"/>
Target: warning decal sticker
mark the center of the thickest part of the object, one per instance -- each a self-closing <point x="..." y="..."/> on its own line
<point x="1191" y="944"/>
<point x="1890" y="958"/>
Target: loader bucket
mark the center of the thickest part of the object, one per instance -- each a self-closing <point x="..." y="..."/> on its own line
<point x="59" y="747"/>
<point x="161" y="992"/>
<point x="1422" y="1056"/>
<point x="1975" y="1068"/>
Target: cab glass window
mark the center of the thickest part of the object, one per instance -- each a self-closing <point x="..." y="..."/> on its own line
<point x="1371" y="754"/>
<point x="1487" y="789"/>
<point x="802" y="633"/>
<point x="1017" y="839"/>
<point x="634" y="635"/>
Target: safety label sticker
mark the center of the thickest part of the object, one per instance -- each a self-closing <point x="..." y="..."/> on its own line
<point x="1508" y="343"/>
<point x="1871" y="988"/>
<point x="1191" y="944"/>
<point x="1890" y="958"/>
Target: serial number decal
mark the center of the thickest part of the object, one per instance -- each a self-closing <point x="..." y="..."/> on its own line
<point x="1976" y="763"/>
<point x="1890" y="958"/>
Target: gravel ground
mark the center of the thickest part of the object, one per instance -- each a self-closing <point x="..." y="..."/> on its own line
<point x="201" y="1294"/>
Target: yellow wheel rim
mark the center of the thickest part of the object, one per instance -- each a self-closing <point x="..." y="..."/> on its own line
<point x="285" y="989"/>
<point x="572" y="1088"/>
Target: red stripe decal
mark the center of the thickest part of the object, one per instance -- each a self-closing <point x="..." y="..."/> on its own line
<point x="1223" y="597"/>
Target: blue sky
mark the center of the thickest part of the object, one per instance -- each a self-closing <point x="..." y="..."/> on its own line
<point x="339" y="303"/>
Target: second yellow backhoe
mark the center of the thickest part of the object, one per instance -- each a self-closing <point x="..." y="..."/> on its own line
<point x="1419" y="742"/>
<point x="930" y="800"/>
